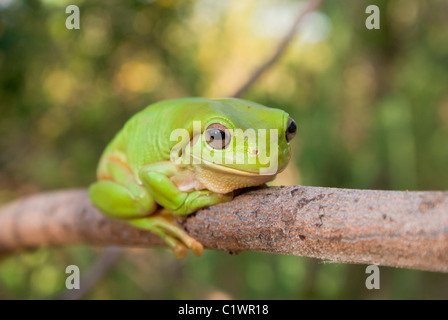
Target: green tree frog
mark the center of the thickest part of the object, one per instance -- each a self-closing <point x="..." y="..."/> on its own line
<point x="177" y="156"/>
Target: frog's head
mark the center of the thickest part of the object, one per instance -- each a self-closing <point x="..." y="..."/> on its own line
<point x="238" y="143"/>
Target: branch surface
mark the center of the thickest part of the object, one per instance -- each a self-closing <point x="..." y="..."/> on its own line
<point x="389" y="228"/>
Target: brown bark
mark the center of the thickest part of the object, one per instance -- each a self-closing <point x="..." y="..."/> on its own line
<point x="390" y="228"/>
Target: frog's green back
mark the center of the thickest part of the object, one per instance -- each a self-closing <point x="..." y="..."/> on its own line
<point x="143" y="139"/>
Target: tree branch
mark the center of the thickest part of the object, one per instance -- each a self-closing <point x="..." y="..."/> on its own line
<point x="389" y="228"/>
<point x="95" y="274"/>
<point x="310" y="6"/>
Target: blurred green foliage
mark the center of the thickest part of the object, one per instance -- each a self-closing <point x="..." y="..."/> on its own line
<point x="372" y="109"/>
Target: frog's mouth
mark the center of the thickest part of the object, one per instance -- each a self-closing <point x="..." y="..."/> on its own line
<point x="233" y="171"/>
<point x="221" y="179"/>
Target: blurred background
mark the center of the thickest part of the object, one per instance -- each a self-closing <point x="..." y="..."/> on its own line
<point x="371" y="107"/>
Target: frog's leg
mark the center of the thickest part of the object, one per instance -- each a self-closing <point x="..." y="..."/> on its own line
<point x="129" y="201"/>
<point x="157" y="178"/>
<point x="117" y="193"/>
<point x="121" y="202"/>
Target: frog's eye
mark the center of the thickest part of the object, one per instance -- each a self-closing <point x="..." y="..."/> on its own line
<point x="291" y="129"/>
<point x="217" y="136"/>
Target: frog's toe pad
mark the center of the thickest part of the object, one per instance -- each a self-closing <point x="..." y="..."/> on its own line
<point x="174" y="236"/>
<point x="197" y="248"/>
<point x="180" y="250"/>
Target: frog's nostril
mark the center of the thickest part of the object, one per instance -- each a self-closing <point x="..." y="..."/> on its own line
<point x="291" y="129"/>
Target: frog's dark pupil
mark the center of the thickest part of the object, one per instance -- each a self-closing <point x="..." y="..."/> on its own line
<point x="217" y="138"/>
<point x="216" y="134"/>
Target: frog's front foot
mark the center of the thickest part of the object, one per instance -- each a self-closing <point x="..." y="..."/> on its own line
<point x="163" y="224"/>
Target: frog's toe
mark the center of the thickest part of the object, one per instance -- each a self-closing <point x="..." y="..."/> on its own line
<point x="164" y="225"/>
<point x="197" y="248"/>
<point x="180" y="250"/>
<point x="167" y="223"/>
